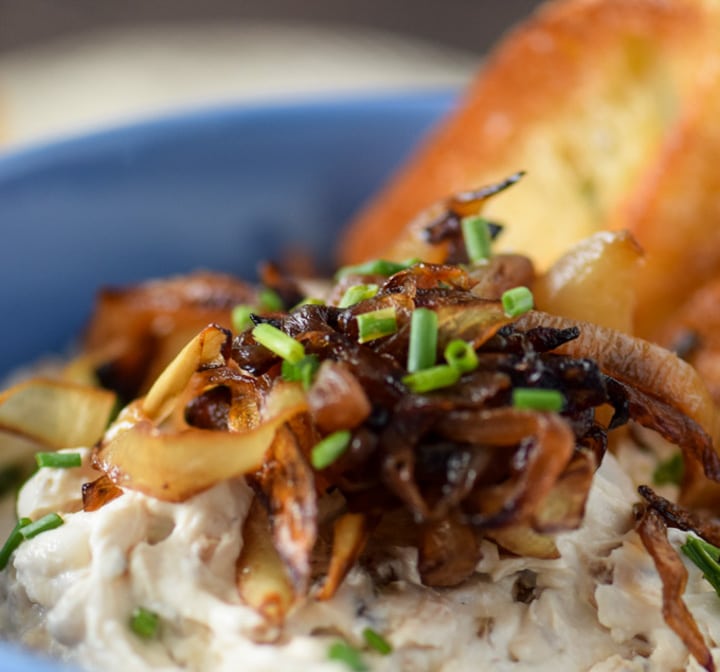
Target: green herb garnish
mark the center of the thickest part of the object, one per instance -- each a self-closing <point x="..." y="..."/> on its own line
<point x="58" y="460"/>
<point x="670" y="471"/>
<point x="302" y="371"/>
<point x="422" y="349"/>
<point x="270" y="301"/>
<point x="144" y="623"/>
<point x="461" y="356"/>
<point x="15" y="538"/>
<point x="356" y="294"/>
<point x="434" y="378"/>
<point x="376" y="324"/>
<point x="376" y="641"/>
<point x="330" y="449"/>
<point x="476" y="235"/>
<point x="240" y="317"/>
<point x="537" y="399"/>
<point x="517" y="301"/>
<point x="279" y="342"/>
<point x="376" y="267"/>
<point x="706" y="557"/>
<point x="347" y="654"/>
<point x="44" y="524"/>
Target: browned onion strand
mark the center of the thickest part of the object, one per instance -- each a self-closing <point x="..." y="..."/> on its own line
<point x="638" y="363"/>
<point x="674" y="577"/>
<point x="286" y="485"/>
<point x="682" y="518"/>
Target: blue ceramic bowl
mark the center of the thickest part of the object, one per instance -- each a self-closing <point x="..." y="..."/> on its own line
<point x="217" y="189"/>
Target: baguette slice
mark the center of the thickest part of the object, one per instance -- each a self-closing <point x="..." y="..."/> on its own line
<point x="605" y="104"/>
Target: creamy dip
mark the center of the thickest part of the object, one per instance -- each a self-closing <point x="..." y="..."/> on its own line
<point x="71" y="591"/>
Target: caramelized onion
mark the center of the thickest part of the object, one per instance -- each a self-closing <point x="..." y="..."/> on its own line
<point x="56" y="413"/>
<point x="287" y="485"/>
<point x="350" y="535"/>
<point x="336" y="398"/>
<point x="638" y="363"/>
<point x="674" y="577"/>
<point x="138" y="455"/>
<point x="545" y="460"/>
<point x="260" y="573"/>
<point x="594" y="281"/>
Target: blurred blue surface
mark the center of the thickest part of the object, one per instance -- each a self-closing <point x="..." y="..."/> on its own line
<point x="218" y="189"/>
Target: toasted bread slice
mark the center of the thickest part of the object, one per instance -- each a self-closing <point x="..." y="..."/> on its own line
<point x="604" y="104"/>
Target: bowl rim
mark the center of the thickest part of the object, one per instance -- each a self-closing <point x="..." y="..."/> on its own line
<point x="16" y="159"/>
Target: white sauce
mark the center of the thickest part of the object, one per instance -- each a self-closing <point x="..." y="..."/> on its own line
<point x="71" y="591"/>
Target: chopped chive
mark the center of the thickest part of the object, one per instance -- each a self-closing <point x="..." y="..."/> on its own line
<point x="517" y="301"/>
<point x="422" y="350"/>
<point x="670" y="471"/>
<point x="58" y="460"/>
<point x="279" y="342"/>
<point x="357" y="293"/>
<point x="303" y="372"/>
<point x="309" y="301"/>
<point x="376" y="641"/>
<point x="347" y="654"/>
<point x="376" y="267"/>
<point x="476" y="235"/>
<point x="240" y="317"/>
<point x="44" y="524"/>
<point x="144" y="623"/>
<point x="461" y="356"/>
<point x="537" y="399"/>
<point x="15" y="538"/>
<point x="376" y="324"/>
<point x="434" y="378"/>
<point x="330" y="448"/>
<point x="269" y="300"/>
<point x="706" y="557"/>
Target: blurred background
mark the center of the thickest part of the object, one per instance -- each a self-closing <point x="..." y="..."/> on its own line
<point x="69" y="67"/>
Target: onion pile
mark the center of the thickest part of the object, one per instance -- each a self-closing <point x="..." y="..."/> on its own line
<point x="439" y="470"/>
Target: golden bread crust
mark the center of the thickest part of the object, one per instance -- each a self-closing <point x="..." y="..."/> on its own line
<point x="590" y="97"/>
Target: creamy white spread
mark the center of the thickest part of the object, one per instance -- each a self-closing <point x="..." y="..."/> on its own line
<point x="71" y="591"/>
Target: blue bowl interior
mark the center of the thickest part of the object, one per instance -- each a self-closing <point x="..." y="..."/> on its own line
<point x="218" y="189"/>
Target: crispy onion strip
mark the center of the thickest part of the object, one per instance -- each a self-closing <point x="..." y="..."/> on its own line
<point x="653" y="534"/>
<point x="287" y="486"/>
<point x="638" y="363"/>
<point x="138" y="455"/>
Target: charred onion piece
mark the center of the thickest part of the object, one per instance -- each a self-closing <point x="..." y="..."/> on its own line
<point x="674" y="577"/>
